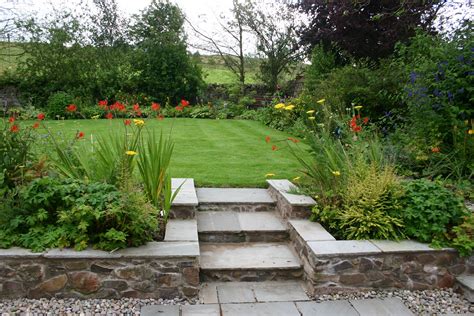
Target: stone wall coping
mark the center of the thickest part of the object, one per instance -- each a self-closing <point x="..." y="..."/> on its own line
<point x="154" y="250"/>
<point x="310" y="231"/>
<point x="187" y="194"/>
<point x="343" y="247"/>
<point x="284" y="186"/>
<point x="392" y="246"/>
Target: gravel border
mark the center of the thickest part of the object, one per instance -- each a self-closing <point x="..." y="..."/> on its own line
<point x="429" y="302"/>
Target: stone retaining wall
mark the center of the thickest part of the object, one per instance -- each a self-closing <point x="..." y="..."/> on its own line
<point x="156" y="270"/>
<point x="333" y="266"/>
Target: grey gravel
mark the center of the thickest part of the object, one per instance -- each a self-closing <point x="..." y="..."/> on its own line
<point x="428" y="302"/>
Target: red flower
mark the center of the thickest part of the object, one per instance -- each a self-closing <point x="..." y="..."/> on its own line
<point x="136" y="107"/>
<point x="160" y="117"/>
<point x="127" y="122"/>
<point x="11" y="120"/>
<point x="109" y="116"/>
<point x="184" y="103"/>
<point x="14" y="129"/>
<point x="103" y="103"/>
<point x="267" y="139"/>
<point x="294" y="140"/>
<point x="71" y="108"/>
<point x="41" y="116"/>
<point x="274" y="147"/>
<point x="179" y="108"/>
<point x="357" y="128"/>
<point x="435" y="150"/>
<point x="117" y="106"/>
<point x="155" y="106"/>
<point x="36" y="125"/>
<point x="366" y="120"/>
<point x="79" y="135"/>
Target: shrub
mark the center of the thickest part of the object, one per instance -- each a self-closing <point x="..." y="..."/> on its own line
<point x="430" y="211"/>
<point x="71" y="213"/>
<point x="57" y="104"/>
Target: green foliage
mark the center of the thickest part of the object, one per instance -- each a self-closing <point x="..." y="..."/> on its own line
<point x="57" y="103"/>
<point x="70" y="213"/>
<point x="430" y="211"/>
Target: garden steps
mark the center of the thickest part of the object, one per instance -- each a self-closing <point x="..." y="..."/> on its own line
<point x="229" y="226"/>
<point x="465" y="284"/>
<point x="233" y="199"/>
<point x="249" y="262"/>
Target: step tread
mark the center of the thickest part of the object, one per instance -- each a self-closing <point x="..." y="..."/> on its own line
<point x="467" y="281"/>
<point x="229" y="221"/>
<point x="233" y="196"/>
<point x="248" y="256"/>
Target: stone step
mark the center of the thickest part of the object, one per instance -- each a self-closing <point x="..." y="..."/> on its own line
<point x="225" y="226"/>
<point x="233" y="199"/>
<point x="252" y="292"/>
<point x="465" y="285"/>
<point x="249" y="262"/>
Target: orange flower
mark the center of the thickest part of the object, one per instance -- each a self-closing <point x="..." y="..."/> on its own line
<point x="179" y="108"/>
<point x="36" y="125"/>
<point x="41" y="116"/>
<point x="274" y="147"/>
<point x="103" y="103"/>
<point x="435" y="150"/>
<point x="366" y="120"/>
<point x="184" y="103"/>
<point x="160" y="117"/>
<point x="109" y="116"/>
<point x="71" y="108"/>
<point x="79" y="135"/>
<point x="11" y="120"/>
<point x="267" y="139"/>
<point x="14" y="129"/>
<point x="155" y="106"/>
<point x="127" y="122"/>
<point x="294" y="140"/>
<point x="136" y="107"/>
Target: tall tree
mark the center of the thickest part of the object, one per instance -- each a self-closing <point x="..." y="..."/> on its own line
<point x="365" y="28"/>
<point x="274" y="27"/>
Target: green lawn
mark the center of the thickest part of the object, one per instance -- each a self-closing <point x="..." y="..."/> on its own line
<point x="213" y="152"/>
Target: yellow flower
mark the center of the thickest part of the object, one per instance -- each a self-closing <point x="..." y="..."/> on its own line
<point x="131" y="153"/>
<point x="289" y="107"/>
<point x="95" y="117"/>
<point x="311" y="118"/>
<point x="280" y="106"/>
<point x="358" y="107"/>
<point x="336" y="173"/>
<point x="268" y="175"/>
<point x="138" y="122"/>
<point x="321" y="101"/>
<point x="320" y="125"/>
<point x="470" y="132"/>
<point x="310" y="112"/>
<point x="296" y="178"/>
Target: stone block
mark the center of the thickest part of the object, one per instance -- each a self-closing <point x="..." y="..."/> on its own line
<point x="171" y="249"/>
<point x="310" y="231"/>
<point x="343" y="247"/>
<point x="181" y="230"/>
<point x="376" y="307"/>
<point x="336" y="308"/>
<point x="84" y="281"/>
<point x="162" y="310"/>
<point x="200" y="310"/>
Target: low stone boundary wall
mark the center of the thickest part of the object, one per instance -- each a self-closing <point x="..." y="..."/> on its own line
<point x="339" y="265"/>
<point x="290" y="205"/>
<point x="156" y="270"/>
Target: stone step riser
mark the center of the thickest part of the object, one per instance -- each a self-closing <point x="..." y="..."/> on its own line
<point x="241" y="237"/>
<point x="237" y="207"/>
<point x="250" y="275"/>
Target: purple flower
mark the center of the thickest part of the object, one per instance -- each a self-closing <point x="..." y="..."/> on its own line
<point x="413" y="76"/>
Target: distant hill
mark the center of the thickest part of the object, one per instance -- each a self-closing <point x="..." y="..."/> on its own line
<point x="215" y="70"/>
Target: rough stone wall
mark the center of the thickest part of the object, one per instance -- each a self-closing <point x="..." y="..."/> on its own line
<point x="99" y="278"/>
<point x="409" y="270"/>
<point x="286" y="209"/>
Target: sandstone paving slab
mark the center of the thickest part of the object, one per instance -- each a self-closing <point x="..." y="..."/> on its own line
<point x="334" y="308"/>
<point x="172" y="249"/>
<point x="381" y="307"/>
<point x="401" y="246"/>
<point x="285" y="187"/>
<point x="68" y="253"/>
<point x="161" y="310"/>
<point x="181" y="230"/>
<point x="467" y="281"/>
<point x="310" y="231"/>
<point x="235" y="292"/>
<point x="187" y="193"/>
<point x="260" y="309"/>
<point x="218" y="222"/>
<point x="248" y="256"/>
<point x="279" y="292"/>
<point x="233" y="195"/>
<point x="260" y="221"/>
<point x="343" y="247"/>
<point x="16" y="252"/>
<point x="208" y="293"/>
<point x="201" y="310"/>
